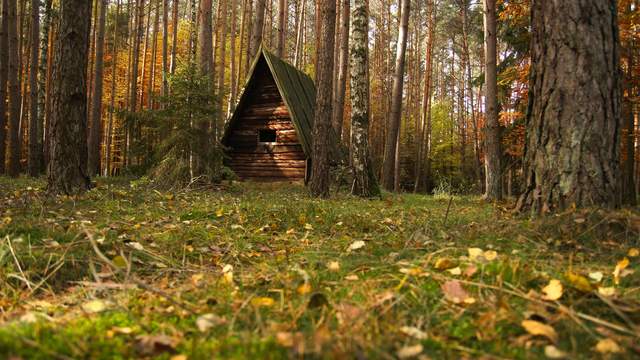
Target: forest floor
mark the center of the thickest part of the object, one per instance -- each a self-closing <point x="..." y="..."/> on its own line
<point x="264" y="271"/>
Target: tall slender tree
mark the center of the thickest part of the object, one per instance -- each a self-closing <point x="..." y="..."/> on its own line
<point x="68" y="163"/>
<point x="393" y="133"/>
<point x="322" y="124"/>
<point x="112" y="110"/>
<point x="34" y="143"/>
<point x="15" y="96"/>
<point x="343" y="66"/>
<point x="493" y="163"/>
<point x="4" y="73"/>
<point x="95" y="128"/>
<point x="282" y="27"/>
<point x="174" y="36"/>
<point x="364" y="181"/>
<point x="256" y="32"/>
<point x="43" y="75"/>
<point x="165" y="47"/>
<point x="572" y="150"/>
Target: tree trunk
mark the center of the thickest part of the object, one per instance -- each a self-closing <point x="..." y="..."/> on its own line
<point x="322" y="124"/>
<point x="133" y="101"/>
<point x="34" y="144"/>
<point x="42" y="83"/>
<point x="4" y="73"/>
<point x="573" y="123"/>
<point x="364" y="181"/>
<point x="154" y="57"/>
<point x="205" y="48"/>
<point x="388" y="172"/>
<point x="95" y="129"/>
<point x="221" y="74"/>
<point x="628" y="190"/>
<point x="256" y="32"/>
<point x="343" y="68"/>
<point x="493" y="152"/>
<point x="297" y="59"/>
<point x="114" y="78"/>
<point x="282" y="23"/>
<point x="232" y="57"/>
<point x="15" y="97"/>
<point x="165" y="47"/>
<point x="68" y="163"/>
<point x="174" y="37"/>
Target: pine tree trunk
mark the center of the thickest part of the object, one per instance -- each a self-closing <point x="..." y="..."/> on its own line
<point x="243" y="33"/>
<point x="34" y="148"/>
<point x="205" y="48"/>
<point x="4" y="73"/>
<point x="133" y="100"/>
<point x="174" y="37"/>
<point x="389" y="165"/>
<point x="572" y="149"/>
<point x="493" y="157"/>
<point x="15" y="97"/>
<point x="165" y="47"/>
<point x="95" y="129"/>
<point x="154" y="57"/>
<point x="68" y="163"/>
<point x="282" y="21"/>
<point x="628" y="190"/>
<point x="256" y="32"/>
<point x="297" y="59"/>
<point x="114" y="79"/>
<point x="232" y="57"/>
<point x="145" y="52"/>
<point x="343" y="68"/>
<point x="364" y="181"/>
<point x="42" y="82"/>
<point x="322" y="124"/>
<point x="223" y="57"/>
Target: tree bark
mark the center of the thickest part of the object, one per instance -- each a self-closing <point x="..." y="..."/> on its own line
<point x="68" y="163"/>
<point x="282" y="23"/>
<point x="165" y="47"/>
<point x="95" y="129"/>
<point x="389" y="164"/>
<point x="35" y="149"/>
<point x="364" y="181"/>
<point x="4" y="73"/>
<point x="572" y="149"/>
<point x="174" y="37"/>
<point x="493" y="152"/>
<point x="322" y="124"/>
<point x="297" y="59"/>
<point x="232" y="57"/>
<point x="133" y="101"/>
<point x="221" y="75"/>
<point x="42" y="82"/>
<point x="256" y="32"/>
<point x="13" y="85"/>
<point x="343" y="68"/>
<point x="114" y="78"/>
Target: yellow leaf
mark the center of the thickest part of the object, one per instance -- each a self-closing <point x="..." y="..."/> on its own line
<point x="262" y="302"/>
<point x="196" y="278"/>
<point x="490" y="255"/>
<point x="553" y="291"/>
<point x="634" y="252"/>
<point x="409" y="351"/>
<point x="304" y="289"/>
<point x="94" y="306"/>
<point x="607" y="291"/>
<point x="179" y="357"/>
<point x="220" y="212"/>
<point x="352" y="277"/>
<point x="308" y="227"/>
<point x="356" y="245"/>
<point x="579" y="282"/>
<point x="608" y="346"/>
<point x="537" y="328"/>
<point x="455" y="271"/>
<point x="596" y="276"/>
<point x="413" y="332"/>
<point x="444" y="264"/>
<point x="119" y="261"/>
<point x="333" y="266"/>
<point x="621" y="265"/>
<point x="552" y="352"/>
<point x="475" y="253"/>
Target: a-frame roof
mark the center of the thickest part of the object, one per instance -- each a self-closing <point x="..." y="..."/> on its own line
<point x="297" y="90"/>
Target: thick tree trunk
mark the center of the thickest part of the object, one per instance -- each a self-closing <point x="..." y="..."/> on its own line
<point x="389" y="165"/>
<point x="95" y="129"/>
<point x="256" y="32"/>
<point x="343" y="68"/>
<point x="572" y="149"/>
<point x="493" y="152"/>
<point x="364" y="181"/>
<point x="68" y="163"/>
<point x="15" y="97"/>
<point x="4" y="68"/>
<point x="322" y="125"/>
<point x="205" y="48"/>
<point x="35" y="148"/>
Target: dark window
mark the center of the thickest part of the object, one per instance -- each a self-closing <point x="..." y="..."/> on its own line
<point x="266" y="136"/>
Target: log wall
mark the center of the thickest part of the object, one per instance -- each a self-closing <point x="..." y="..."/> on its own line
<point x="264" y="109"/>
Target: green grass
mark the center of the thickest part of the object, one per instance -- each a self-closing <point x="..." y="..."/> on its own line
<point x="280" y="244"/>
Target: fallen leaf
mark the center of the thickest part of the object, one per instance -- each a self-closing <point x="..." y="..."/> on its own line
<point x="333" y="266"/>
<point x="579" y="282"/>
<point x="537" y="328"/>
<point x="135" y="245"/>
<point x="596" y="276"/>
<point x="608" y="346"/>
<point x="475" y="254"/>
<point x="454" y="292"/>
<point x="207" y="321"/>
<point x="304" y="289"/>
<point x="285" y="338"/>
<point x="155" y="344"/>
<point x="620" y="266"/>
<point x="262" y="302"/>
<point x="553" y="291"/>
<point x="607" y="291"/>
<point x="351" y="277"/>
<point x="179" y="357"/>
<point x="552" y="352"/>
<point x="308" y="227"/>
<point x="444" y="264"/>
<point x="490" y="255"/>
<point x="413" y="332"/>
<point x="470" y="270"/>
<point x="356" y="245"/>
<point x="455" y="271"/>
<point x="634" y="252"/>
<point x="409" y="351"/>
<point x="94" y="306"/>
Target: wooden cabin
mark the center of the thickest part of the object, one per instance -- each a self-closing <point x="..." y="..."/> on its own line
<point x="268" y="136"/>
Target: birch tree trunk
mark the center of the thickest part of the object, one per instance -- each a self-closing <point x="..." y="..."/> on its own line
<point x="364" y="181"/>
<point x="319" y="186"/>
<point x="4" y="68"/>
<point x="493" y="152"/>
<point x="256" y="32"/>
<point x="15" y="97"/>
<point x="68" y="163"/>
<point x="389" y="164"/>
<point x="572" y="150"/>
<point x="343" y="66"/>
<point x="95" y="134"/>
